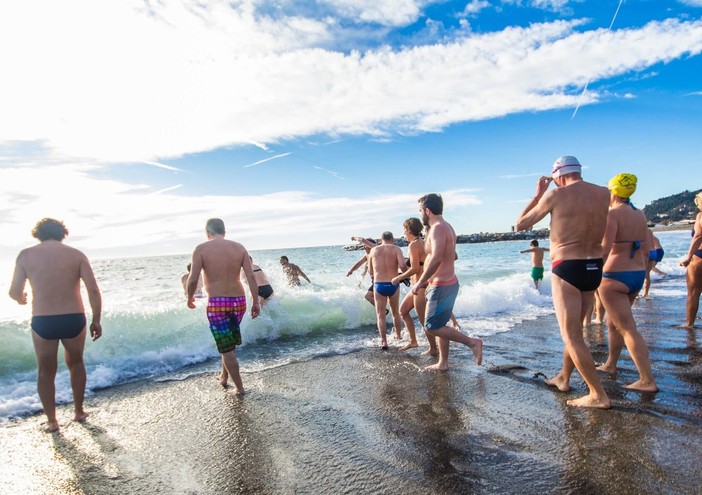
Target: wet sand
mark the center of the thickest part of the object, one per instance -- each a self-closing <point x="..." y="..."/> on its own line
<point x="374" y="422"/>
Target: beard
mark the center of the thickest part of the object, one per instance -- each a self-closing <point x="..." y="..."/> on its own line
<point x="425" y="219"/>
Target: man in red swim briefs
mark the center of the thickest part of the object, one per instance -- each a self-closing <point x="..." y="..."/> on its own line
<point x="222" y="261"/>
<point x="578" y="219"/>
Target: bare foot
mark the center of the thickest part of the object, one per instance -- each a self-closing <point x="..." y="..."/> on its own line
<point x="222" y="379"/>
<point x="641" y="386"/>
<point x="590" y="402"/>
<point x="430" y="352"/>
<point x="559" y="383"/>
<point x="437" y="367"/>
<point x="607" y="368"/>
<point x="51" y="427"/>
<point x="411" y="345"/>
<point x="478" y="352"/>
<point x="398" y="336"/>
<point x="240" y="391"/>
<point x="384" y="346"/>
<point x="80" y="417"/>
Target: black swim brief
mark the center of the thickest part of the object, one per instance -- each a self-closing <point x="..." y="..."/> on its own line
<point x="55" y="327"/>
<point x="265" y="291"/>
<point x="584" y="275"/>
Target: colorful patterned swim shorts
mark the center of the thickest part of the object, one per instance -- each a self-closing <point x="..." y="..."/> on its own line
<point x="225" y="315"/>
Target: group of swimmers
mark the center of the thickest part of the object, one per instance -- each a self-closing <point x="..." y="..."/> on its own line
<point x="597" y="242"/>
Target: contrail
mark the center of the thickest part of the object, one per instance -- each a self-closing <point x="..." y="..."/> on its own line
<point x="267" y="159"/>
<point x="588" y="81"/>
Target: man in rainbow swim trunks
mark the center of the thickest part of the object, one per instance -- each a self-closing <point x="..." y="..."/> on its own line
<point x="222" y="261"/>
<point x="578" y="212"/>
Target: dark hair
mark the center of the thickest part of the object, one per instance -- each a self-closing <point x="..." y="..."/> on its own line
<point x="215" y="226"/>
<point x="414" y="225"/>
<point x="534" y="242"/>
<point x="49" y="228"/>
<point x="284" y="258"/>
<point x="190" y="265"/>
<point x="387" y="236"/>
<point x="432" y="201"/>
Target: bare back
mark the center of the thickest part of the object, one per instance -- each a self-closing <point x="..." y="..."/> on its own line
<point x="624" y="226"/>
<point x="578" y="220"/>
<point x="441" y="251"/>
<point x="54" y="271"/>
<point x="386" y="261"/>
<point x="221" y="260"/>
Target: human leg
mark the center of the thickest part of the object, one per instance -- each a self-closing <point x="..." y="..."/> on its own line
<point x="380" y="305"/>
<point x="73" y="354"/>
<point x="394" y="301"/>
<point x="568" y="303"/>
<point x="447" y="334"/>
<point x="694" y="289"/>
<point x="46" y="353"/>
<point x="230" y="363"/>
<point x="405" y="308"/>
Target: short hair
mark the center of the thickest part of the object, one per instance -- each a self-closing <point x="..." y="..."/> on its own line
<point x="49" y="228"/>
<point x="215" y="226"/>
<point x="387" y="236"/>
<point x="534" y="242"/>
<point x="434" y="202"/>
<point x="284" y="258"/>
<point x="414" y="225"/>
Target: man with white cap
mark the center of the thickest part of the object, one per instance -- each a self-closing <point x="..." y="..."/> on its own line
<point x="578" y="219"/>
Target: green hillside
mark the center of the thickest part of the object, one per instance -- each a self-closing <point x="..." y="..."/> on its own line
<point x="673" y="208"/>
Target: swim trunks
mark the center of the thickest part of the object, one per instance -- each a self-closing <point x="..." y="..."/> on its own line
<point x="225" y="315"/>
<point x="385" y="288"/>
<point x="265" y="291"/>
<point x="584" y="275"/>
<point x="440" y="301"/>
<point x="634" y="279"/>
<point x="659" y="255"/>
<point x="55" y="327"/>
<point x="537" y="272"/>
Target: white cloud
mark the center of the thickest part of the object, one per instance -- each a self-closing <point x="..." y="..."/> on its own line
<point x="475" y="6"/>
<point x="693" y="3"/>
<point x="189" y="76"/>
<point x="108" y="217"/>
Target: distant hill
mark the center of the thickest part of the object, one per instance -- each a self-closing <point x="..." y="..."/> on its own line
<point x="672" y="208"/>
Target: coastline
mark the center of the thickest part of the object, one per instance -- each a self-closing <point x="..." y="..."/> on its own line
<point x="375" y="422"/>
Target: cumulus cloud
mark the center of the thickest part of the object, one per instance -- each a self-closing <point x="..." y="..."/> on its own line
<point x="148" y="82"/>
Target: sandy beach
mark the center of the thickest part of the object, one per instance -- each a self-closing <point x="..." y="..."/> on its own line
<point x="375" y="422"/>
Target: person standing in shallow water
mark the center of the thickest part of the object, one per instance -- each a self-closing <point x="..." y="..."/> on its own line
<point x="537" y="260"/>
<point x="55" y="271"/>
<point x="693" y="263"/>
<point x="625" y="251"/>
<point x="385" y="261"/>
<point x="292" y="272"/>
<point x="578" y="212"/>
<point x="222" y="261"/>
<point x="443" y="284"/>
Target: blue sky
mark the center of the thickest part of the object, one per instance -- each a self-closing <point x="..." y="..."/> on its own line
<point x="303" y="123"/>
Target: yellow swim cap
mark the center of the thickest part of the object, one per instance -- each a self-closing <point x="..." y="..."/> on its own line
<point x="622" y="185"/>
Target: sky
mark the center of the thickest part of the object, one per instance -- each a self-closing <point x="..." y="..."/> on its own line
<point x="305" y="122"/>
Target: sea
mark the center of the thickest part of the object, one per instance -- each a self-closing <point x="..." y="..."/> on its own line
<point x="150" y="333"/>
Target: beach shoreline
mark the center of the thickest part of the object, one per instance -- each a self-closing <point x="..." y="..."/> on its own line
<point x="375" y="422"/>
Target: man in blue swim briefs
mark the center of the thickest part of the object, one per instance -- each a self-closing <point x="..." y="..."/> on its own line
<point x="443" y="284"/>
<point x="385" y="261"/>
<point x="222" y="261"/>
<point x="578" y="219"/>
<point x="54" y="271"/>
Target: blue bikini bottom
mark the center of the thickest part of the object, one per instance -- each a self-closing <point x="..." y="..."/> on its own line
<point x="633" y="280"/>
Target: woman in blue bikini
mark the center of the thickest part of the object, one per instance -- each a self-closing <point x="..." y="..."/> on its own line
<point x="623" y="247"/>
<point x="693" y="262"/>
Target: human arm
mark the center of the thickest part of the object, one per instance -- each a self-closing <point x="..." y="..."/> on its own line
<point x="358" y="264"/>
<point x="366" y="243"/>
<point x="253" y="286"/>
<point x="610" y="235"/>
<point x="537" y="209"/>
<point x="301" y="273"/>
<point x="94" y="298"/>
<point x="414" y="265"/>
<point x="695" y="243"/>
<point x="433" y="259"/>
<point x="195" y="269"/>
<point x="19" y="279"/>
<point x="530" y="250"/>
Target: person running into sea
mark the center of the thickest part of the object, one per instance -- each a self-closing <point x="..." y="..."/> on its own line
<point x="443" y="284"/>
<point x="368" y="244"/>
<point x="537" y="261"/>
<point x="222" y="261"/>
<point x="184" y="281"/>
<point x="292" y="272"/>
<point x="415" y="266"/>
<point x="655" y="256"/>
<point x="578" y="212"/>
<point x="54" y="272"/>
<point x="693" y="263"/>
<point x="625" y="252"/>
<point x="385" y="261"/>
<point x="265" y="291"/>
